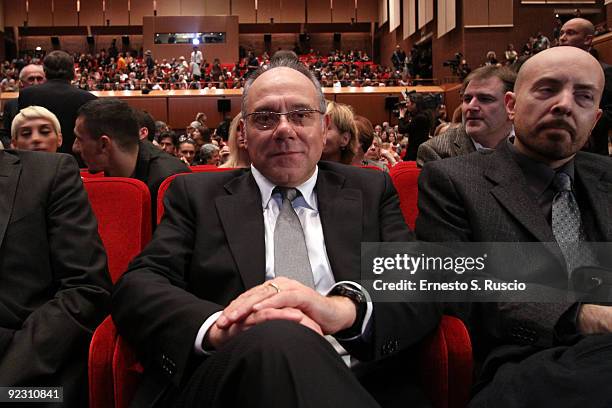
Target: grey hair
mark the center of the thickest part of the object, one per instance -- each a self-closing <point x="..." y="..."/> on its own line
<point x="207" y="151"/>
<point x="287" y="63"/>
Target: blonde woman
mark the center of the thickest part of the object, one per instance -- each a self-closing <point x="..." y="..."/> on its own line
<point x="342" y="136"/>
<point x="36" y="128"/>
<point x="238" y="155"/>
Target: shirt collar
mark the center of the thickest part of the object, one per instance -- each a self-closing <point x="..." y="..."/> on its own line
<point x="308" y="198"/>
<point x="480" y="147"/>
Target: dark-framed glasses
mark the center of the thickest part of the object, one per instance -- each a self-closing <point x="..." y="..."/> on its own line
<point x="269" y="120"/>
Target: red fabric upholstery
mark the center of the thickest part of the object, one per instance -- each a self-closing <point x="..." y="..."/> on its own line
<point x="405" y="176"/>
<point x="123" y="209"/>
<point x="446" y="364"/>
<point x="127" y="371"/>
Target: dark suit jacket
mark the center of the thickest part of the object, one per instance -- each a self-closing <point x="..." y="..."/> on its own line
<point x="453" y="142"/>
<point x="482" y="197"/>
<point x="10" y="111"/>
<point x="53" y="275"/>
<point x="598" y="142"/>
<point x="61" y="98"/>
<point x="210" y="248"/>
<point x="153" y="166"/>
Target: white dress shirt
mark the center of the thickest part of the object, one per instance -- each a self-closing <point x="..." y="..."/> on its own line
<point x="306" y="208"/>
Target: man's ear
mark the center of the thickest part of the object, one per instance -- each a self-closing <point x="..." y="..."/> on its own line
<point x="105" y="144"/>
<point x="326" y="122"/>
<point x="242" y="128"/>
<point x="510" y="102"/>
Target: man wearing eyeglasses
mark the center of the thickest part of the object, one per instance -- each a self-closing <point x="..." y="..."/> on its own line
<point x="250" y="269"/>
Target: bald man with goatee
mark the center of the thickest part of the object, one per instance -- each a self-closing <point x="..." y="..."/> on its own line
<point x="552" y="353"/>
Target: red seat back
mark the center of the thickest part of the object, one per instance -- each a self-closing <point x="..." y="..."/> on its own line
<point x="123" y="209"/>
<point x="405" y="176"/>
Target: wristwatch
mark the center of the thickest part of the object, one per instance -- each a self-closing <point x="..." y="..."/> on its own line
<point x="361" y="306"/>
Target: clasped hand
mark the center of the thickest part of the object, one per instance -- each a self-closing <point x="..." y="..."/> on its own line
<point x="294" y="302"/>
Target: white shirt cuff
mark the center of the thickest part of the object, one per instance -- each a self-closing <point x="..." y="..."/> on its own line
<point x="197" y="347"/>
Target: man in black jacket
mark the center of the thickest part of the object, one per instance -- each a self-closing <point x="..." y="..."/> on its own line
<point x="107" y="138"/>
<point x="58" y="95"/>
<point x="54" y="283"/>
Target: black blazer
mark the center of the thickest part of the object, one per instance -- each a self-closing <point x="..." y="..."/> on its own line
<point x="61" y="98"/>
<point x="209" y="248"/>
<point x="54" y="282"/>
<point x="482" y="197"/>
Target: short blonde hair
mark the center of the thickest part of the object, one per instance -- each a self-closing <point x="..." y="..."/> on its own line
<point x="34" y="112"/>
<point x="343" y="117"/>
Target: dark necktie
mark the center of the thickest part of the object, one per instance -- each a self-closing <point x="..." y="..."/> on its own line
<point x="290" y="253"/>
<point x="567" y="224"/>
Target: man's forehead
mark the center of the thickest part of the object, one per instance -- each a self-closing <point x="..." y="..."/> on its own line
<point x="489" y="85"/>
<point x="283" y="84"/>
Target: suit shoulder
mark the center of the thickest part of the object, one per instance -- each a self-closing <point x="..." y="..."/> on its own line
<point x="470" y="162"/>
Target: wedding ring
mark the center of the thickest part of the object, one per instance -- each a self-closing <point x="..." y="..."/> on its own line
<point x="275" y="286"/>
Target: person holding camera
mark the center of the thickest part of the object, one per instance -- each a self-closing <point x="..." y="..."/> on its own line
<point x="415" y="121"/>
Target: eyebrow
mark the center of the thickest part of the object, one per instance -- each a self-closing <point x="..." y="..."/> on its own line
<point x="558" y="82"/>
<point x="292" y="107"/>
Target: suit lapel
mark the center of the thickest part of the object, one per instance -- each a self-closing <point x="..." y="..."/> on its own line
<point x="241" y="215"/>
<point x="462" y="142"/>
<point x="341" y="212"/>
<point x="596" y="181"/>
<point x="10" y="169"/>
<point x="510" y="190"/>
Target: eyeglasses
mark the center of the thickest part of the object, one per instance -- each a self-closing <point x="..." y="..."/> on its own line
<point x="270" y="120"/>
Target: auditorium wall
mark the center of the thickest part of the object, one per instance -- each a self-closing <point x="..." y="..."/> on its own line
<point x="323" y="42"/>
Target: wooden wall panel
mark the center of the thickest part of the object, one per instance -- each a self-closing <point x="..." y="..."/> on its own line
<point x="64" y="13"/>
<point x="475" y="13"/>
<point x="15" y="15"/>
<point x="394" y="14"/>
<point x="193" y="7"/>
<point x="425" y="13"/>
<point x="91" y="13"/>
<point x="500" y="13"/>
<point x="155" y="106"/>
<point x="293" y="11"/>
<point x="268" y="9"/>
<point x="216" y="7"/>
<point x="451" y="15"/>
<point x="383" y="15"/>
<point x="343" y="11"/>
<point x="370" y="106"/>
<point x="181" y="111"/>
<point x="319" y="11"/>
<point x="367" y="11"/>
<point x="168" y="8"/>
<point x="139" y="9"/>
<point x="244" y="9"/>
<point x="117" y="11"/>
<point x="40" y="13"/>
<point x="409" y="24"/>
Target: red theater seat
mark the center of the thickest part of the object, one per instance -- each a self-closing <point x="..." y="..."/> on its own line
<point x="123" y="209"/>
<point x="405" y="176"/>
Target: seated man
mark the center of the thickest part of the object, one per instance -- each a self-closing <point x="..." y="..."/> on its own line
<point x="53" y="274"/>
<point x="36" y="128"/>
<point x="485" y="120"/>
<point x="107" y="138"/>
<point x="233" y="294"/>
<point x="541" y="188"/>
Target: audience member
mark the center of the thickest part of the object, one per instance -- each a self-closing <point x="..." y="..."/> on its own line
<point x="53" y="275"/>
<point x="107" y="138"/>
<point x="342" y="140"/>
<point x="29" y="75"/>
<point x="542" y="354"/>
<point x="187" y="149"/>
<point x="486" y="122"/>
<point x="58" y="95"/>
<point x="417" y="125"/>
<point x="579" y="32"/>
<point x="239" y="156"/>
<point x="209" y="154"/>
<point x="222" y="313"/>
<point x="36" y="128"/>
<point x="168" y="141"/>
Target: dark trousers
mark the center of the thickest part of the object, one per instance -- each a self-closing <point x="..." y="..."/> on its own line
<point x="579" y="375"/>
<point x="275" y="364"/>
